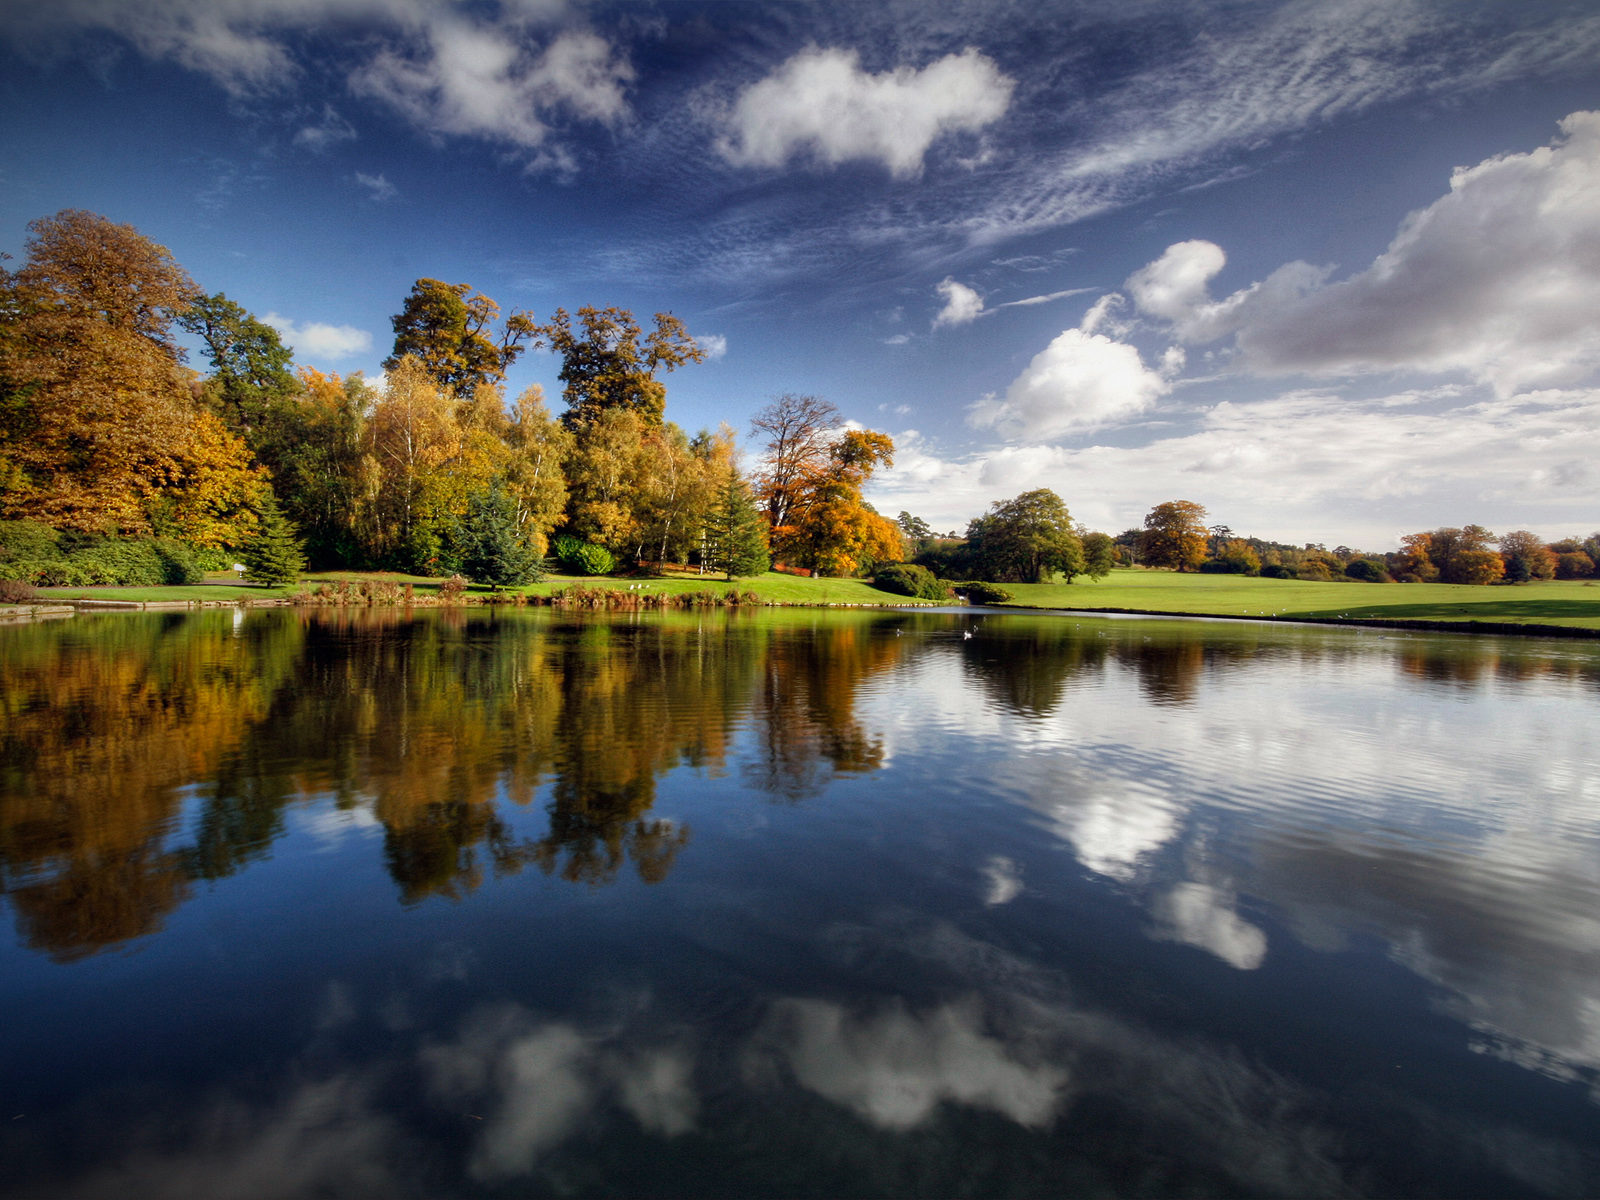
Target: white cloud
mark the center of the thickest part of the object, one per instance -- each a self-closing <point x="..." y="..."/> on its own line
<point x="318" y="340"/>
<point x="1081" y="380"/>
<point x="1306" y="465"/>
<point x="1499" y="279"/>
<point x="821" y="101"/>
<point x="479" y="81"/>
<point x="895" y="1068"/>
<point x="1201" y="915"/>
<point x="714" y="344"/>
<point x="379" y="187"/>
<point x="962" y="305"/>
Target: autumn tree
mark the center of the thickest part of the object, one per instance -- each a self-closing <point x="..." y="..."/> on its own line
<point x="537" y="451"/>
<point x="1526" y="557"/>
<point x="608" y="362"/>
<point x="450" y="331"/>
<point x="98" y="428"/>
<point x="1174" y="535"/>
<point x="1464" y="555"/>
<point x="1414" y="562"/>
<point x="798" y="432"/>
<point x="411" y="440"/>
<point x="1025" y="540"/>
<point x="323" y="477"/>
<point x="830" y="528"/>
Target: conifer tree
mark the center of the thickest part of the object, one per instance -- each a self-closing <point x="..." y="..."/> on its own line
<point x="274" y="556"/>
<point x="495" y="552"/>
<point x="736" y="532"/>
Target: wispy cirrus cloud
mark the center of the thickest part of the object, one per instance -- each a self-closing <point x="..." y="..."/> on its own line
<point x="505" y="75"/>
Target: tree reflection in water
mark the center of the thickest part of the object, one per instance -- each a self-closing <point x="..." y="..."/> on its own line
<point x="142" y="754"/>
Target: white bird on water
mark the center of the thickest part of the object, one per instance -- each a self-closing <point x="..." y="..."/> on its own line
<point x="965" y="634"/>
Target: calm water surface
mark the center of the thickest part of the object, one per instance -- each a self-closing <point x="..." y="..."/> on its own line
<point x="794" y="904"/>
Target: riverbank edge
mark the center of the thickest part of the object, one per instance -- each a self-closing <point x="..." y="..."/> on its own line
<point x="1415" y="624"/>
<point x="27" y="612"/>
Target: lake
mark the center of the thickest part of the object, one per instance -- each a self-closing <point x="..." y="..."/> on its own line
<point x="794" y="903"/>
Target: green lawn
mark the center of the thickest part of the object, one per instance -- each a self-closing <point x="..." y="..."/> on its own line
<point x="771" y="587"/>
<point x="1543" y="603"/>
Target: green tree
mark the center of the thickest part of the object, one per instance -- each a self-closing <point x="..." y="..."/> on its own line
<point x="251" y="368"/>
<point x="449" y="330"/>
<point x="273" y="556"/>
<point x="735" y="533"/>
<point x="1099" y="554"/>
<point x="495" y="552"/>
<point x="915" y="531"/>
<point x="1175" y="535"/>
<point x="609" y="363"/>
<point x="1025" y="539"/>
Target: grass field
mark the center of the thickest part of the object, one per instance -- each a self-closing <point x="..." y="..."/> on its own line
<point x="1569" y="604"/>
<point x="1572" y="604"/>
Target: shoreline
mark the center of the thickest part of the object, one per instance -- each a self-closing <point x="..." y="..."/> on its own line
<point x="55" y="610"/>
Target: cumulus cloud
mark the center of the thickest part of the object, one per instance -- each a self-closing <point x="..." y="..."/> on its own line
<point x="1081" y="380"/>
<point x="962" y="305"/>
<point x="895" y="1068"/>
<point x="1306" y="465"/>
<point x="714" y="344"/>
<point x="475" y="80"/>
<point x="821" y="101"/>
<point x="318" y="340"/>
<point x="1499" y="279"/>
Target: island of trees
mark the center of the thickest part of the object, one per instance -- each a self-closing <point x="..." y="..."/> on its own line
<point x="119" y="463"/>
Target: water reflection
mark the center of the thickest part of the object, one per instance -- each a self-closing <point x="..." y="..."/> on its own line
<point x="797" y="904"/>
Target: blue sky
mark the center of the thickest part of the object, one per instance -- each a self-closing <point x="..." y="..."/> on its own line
<point x="1330" y="269"/>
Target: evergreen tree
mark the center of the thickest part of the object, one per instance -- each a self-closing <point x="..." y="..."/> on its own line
<point x="736" y="532"/>
<point x="274" y="556"/>
<point x="494" y="552"/>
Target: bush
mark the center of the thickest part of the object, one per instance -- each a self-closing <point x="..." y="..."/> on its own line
<point x="908" y="579"/>
<point x="180" y="563"/>
<point x="979" y="592"/>
<point x="101" y="562"/>
<point x="28" y="541"/>
<point x="1366" y="570"/>
<point x="450" y="590"/>
<point x="15" y="591"/>
<point x="1276" y="571"/>
<point x="583" y="558"/>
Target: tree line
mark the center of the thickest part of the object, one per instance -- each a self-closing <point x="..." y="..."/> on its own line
<point x="121" y="464"/>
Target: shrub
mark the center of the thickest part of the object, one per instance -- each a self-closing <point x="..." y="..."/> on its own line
<point x="180" y="564"/>
<point x="101" y="562"/>
<point x="15" y="591"/>
<point x="908" y="579"/>
<point x="1366" y="570"/>
<point x="450" y="590"/>
<point x="28" y="541"/>
<point x="1276" y="571"/>
<point x="1315" y="570"/>
<point x="979" y="592"/>
<point x="583" y="558"/>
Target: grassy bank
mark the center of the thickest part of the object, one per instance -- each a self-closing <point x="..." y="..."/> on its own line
<point x="1569" y="605"/>
<point x="1566" y="604"/>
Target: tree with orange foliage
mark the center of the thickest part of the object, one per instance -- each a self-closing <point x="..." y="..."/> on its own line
<point x="99" y="431"/>
<point x="1175" y="535"/>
